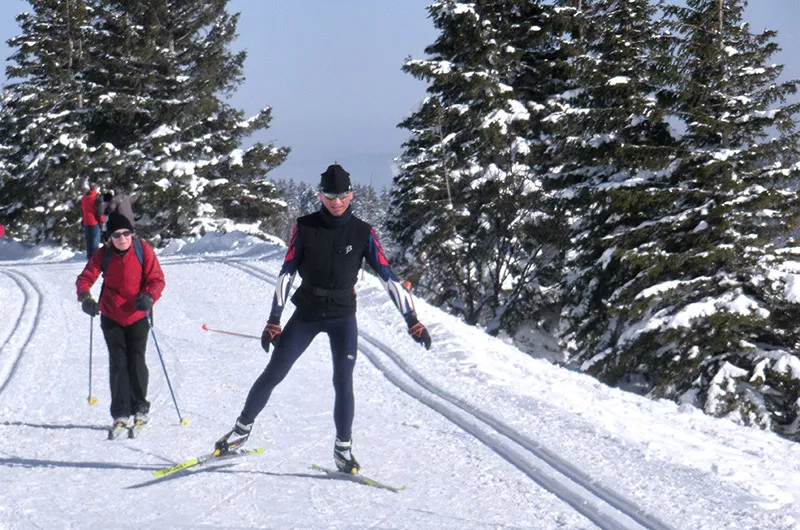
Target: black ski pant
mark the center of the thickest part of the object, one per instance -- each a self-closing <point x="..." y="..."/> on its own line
<point x="127" y="366"/>
<point x="295" y="338"/>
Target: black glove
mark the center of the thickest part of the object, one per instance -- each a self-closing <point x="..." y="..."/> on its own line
<point x="89" y="305"/>
<point x="271" y="333"/>
<point x="417" y="331"/>
<point x="143" y="302"/>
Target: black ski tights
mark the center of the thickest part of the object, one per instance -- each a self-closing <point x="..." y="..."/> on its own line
<point x="295" y="338"/>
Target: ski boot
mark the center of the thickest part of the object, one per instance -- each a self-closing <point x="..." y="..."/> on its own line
<point x="141" y="418"/>
<point x="119" y="426"/>
<point x="345" y="461"/>
<point x="234" y="439"/>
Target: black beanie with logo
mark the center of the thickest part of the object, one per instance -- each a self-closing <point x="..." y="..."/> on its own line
<point x="335" y="180"/>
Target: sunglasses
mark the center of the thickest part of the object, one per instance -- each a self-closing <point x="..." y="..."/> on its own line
<point x="334" y="196"/>
<point x="123" y="233"/>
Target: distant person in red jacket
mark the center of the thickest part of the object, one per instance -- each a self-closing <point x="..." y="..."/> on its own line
<point x="92" y="218"/>
<point x="130" y="288"/>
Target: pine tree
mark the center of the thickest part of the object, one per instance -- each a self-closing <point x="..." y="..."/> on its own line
<point x="737" y="209"/>
<point x="687" y="289"/>
<point x="469" y="173"/>
<point x="143" y="100"/>
<point x="44" y="152"/>
<point x="159" y="88"/>
<point x="281" y="225"/>
<point x="612" y="144"/>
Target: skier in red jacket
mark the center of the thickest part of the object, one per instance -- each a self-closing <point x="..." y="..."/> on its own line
<point x="91" y="218"/>
<point x="130" y="288"/>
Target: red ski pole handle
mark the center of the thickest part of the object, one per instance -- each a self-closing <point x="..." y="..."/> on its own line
<point x="407" y="285"/>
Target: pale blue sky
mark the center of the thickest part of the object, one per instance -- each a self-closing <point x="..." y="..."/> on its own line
<point x="331" y="73"/>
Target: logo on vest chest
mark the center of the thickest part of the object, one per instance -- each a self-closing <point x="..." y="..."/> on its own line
<point x="346" y="250"/>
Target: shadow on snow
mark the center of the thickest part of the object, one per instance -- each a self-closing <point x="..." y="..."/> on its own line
<point x="225" y="469"/>
<point x="52" y="425"/>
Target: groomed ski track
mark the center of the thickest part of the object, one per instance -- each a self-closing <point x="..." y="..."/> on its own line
<point x="601" y="505"/>
<point x="557" y="480"/>
<point x="12" y="347"/>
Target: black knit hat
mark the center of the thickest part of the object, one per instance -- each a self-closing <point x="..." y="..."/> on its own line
<point x="117" y="221"/>
<point x="335" y="180"/>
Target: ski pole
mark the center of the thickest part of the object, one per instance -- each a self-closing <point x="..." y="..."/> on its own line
<point x="205" y="327"/>
<point x="164" y="366"/>
<point x="91" y="399"/>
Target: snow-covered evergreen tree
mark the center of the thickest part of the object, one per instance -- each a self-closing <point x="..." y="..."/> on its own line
<point x="690" y="285"/>
<point x="612" y="146"/>
<point x="147" y="111"/>
<point x="159" y="89"/>
<point x="467" y="208"/>
<point x="373" y="207"/>
<point x="42" y="123"/>
<point x="739" y="205"/>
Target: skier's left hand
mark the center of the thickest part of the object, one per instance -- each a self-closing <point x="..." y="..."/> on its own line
<point x="417" y="331"/>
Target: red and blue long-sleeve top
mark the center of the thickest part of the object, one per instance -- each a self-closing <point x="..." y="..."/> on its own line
<point x="327" y="252"/>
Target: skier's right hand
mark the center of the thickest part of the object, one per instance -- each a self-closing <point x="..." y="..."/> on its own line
<point x="89" y="305"/>
<point x="271" y="333"/>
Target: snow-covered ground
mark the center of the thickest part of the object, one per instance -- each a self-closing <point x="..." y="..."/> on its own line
<point x="482" y="435"/>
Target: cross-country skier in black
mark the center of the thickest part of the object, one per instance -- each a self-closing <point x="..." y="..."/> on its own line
<point x="327" y="249"/>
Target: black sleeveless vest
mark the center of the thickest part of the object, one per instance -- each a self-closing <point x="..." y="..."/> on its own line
<point x="333" y="250"/>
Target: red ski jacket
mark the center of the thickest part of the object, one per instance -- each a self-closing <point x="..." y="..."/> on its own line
<point x="91" y="209"/>
<point x="124" y="279"/>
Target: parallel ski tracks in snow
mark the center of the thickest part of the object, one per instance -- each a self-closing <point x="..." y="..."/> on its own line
<point x="598" y="503"/>
<point x="12" y="347"/>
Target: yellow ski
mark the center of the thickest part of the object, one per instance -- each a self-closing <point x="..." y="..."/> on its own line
<point x="200" y="460"/>
<point x="357" y="478"/>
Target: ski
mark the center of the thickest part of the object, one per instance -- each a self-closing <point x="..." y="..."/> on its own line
<point x="204" y="459"/>
<point x="357" y="478"/>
